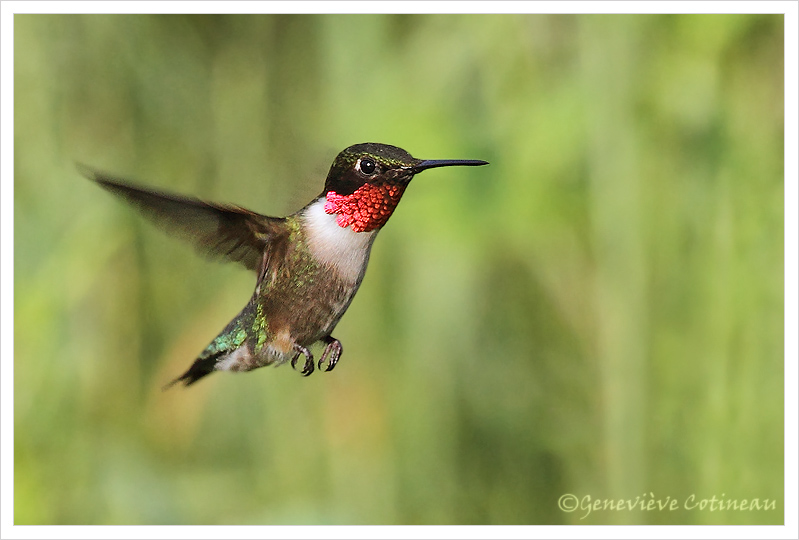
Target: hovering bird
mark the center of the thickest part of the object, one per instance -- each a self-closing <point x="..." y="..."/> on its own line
<point x="309" y="264"/>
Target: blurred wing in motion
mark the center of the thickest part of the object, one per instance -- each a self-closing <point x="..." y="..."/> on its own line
<point x="220" y="230"/>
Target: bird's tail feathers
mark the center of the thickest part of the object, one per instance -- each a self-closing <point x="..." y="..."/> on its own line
<point x="199" y="369"/>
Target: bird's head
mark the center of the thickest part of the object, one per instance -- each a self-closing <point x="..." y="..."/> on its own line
<point x="366" y="182"/>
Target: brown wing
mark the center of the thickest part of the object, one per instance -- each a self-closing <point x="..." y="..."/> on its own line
<point x="228" y="231"/>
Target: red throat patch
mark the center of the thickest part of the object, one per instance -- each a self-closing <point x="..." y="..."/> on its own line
<point x="367" y="209"/>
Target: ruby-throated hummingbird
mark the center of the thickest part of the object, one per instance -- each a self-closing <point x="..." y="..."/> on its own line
<point x="309" y="264"/>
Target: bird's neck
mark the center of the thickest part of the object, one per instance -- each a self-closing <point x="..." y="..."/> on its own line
<point x="340" y="247"/>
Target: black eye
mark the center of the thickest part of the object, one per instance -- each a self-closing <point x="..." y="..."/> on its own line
<point x="367" y="166"/>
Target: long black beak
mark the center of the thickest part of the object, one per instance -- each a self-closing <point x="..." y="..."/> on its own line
<point x="433" y="163"/>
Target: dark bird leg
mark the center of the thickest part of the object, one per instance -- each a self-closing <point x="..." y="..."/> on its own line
<point x="308" y="368"/>
<point x="332" y="351"/>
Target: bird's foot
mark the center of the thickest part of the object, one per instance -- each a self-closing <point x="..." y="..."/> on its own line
<point x="332" y="353"/>
<point x="308" y="368"/>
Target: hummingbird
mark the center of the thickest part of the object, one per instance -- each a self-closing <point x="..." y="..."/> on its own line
<point x="309" y="264"/>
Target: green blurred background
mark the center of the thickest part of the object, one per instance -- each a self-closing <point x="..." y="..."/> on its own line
<point x="599" y="312"/>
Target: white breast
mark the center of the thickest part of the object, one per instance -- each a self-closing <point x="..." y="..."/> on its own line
<point x="344" y="250"/>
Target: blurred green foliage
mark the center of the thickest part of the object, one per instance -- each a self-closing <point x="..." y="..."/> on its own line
<point x="599" y="312"/>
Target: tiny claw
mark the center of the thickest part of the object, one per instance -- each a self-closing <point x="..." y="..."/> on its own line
<point x="332" y="351"/>
<point x="294" y="361"/>
<point x="307" y="369"/>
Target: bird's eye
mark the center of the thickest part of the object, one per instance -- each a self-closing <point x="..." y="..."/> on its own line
<point x="367" y="166"/>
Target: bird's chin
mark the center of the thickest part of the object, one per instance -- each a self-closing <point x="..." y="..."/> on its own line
<point x="400" y="176"/>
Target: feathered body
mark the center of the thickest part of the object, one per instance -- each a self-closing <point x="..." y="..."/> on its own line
<point x="309" y="265"/>
<point x="313" y="270"/>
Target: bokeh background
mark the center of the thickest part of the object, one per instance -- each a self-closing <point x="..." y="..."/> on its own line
<point x="599" y="312"/>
